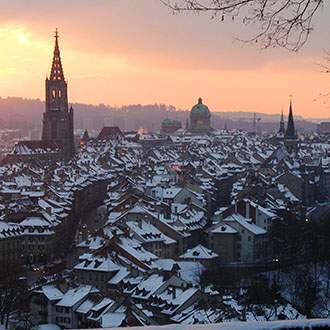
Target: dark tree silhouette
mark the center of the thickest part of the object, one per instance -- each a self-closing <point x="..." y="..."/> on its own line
<point x="283" y="23"/>
<point x="13" y="294"/>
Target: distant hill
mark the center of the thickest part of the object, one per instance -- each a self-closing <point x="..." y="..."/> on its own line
<point x="26" y="114"/>
<point x="248" y="115"/>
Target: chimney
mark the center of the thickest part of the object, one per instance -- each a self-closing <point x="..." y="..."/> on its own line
<point x="247" y="209"/>
<point x="173" y="293"/>
<point x="49" y="210"/>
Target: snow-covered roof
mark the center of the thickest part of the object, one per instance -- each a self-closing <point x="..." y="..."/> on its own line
<point x="199" y="252"/>
<point x="246" y="223"/>
<point x="52" y="292"/>
<point x="110" y="320"/>
<point x="76" y="295"/>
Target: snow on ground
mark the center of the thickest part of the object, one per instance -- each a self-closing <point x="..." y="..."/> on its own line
<point x="48" y="327"/>
<point x="277" y="325"/>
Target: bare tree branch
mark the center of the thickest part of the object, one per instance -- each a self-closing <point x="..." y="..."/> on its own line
<point x="283" y="23"/>
<point x="325" y="67"/>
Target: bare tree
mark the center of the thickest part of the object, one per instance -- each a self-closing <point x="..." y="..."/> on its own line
<point x="13" y="293"/>
<point x="325" y="65"/>
<point x="283" y="23"/>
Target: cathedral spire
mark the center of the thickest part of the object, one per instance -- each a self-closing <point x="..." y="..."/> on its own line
<point x="282" y="125"/>
<point x="290" y="130"/>
<point x="56" y="72"/>
<point x="58" y="118"/>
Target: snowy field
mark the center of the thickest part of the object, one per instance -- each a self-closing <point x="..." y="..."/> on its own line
<point x="277" y="325"/>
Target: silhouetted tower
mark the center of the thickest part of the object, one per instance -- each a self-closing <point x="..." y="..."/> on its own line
<point x="84" y="139"/>
<point x="282" y="124"/>
<point x="290" y="130"/>
<point x="58" y="118"/>
<point x="255" y="122"/>
<point x="290" y="137"/>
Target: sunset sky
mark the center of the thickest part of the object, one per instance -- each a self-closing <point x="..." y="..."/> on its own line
<point x="135" y="51"/>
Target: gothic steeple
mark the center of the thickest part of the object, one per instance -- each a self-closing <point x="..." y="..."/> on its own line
<point x="290" y="130"/>
<point x="282" y="125"/>
<point x="56" y="72"/>
<point x="58" y="118"/>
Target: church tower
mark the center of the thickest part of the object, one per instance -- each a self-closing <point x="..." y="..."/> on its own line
<point x="282" y="125"/>
<point x="290" y="137"/>
<point x="58" y="118"/>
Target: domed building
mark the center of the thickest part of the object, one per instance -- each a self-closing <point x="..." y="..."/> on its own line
<point x="200" y="118"/>
<point x="170" y="126"/>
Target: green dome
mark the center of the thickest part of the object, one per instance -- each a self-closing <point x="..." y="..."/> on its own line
<point x="167" y="122"/>
<point x="170" y="122"/>
<point x="200" y="109"/>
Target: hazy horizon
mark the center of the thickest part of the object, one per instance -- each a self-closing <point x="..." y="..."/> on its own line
<point x="215" y="111"/>
<point x="136" y="52"/>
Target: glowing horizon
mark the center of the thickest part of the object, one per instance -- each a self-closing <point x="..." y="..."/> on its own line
<point x="138" y="61"/>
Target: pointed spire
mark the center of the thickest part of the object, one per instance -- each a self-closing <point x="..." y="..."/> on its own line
<point x="56" y="72"/>
<point x="282" y="125"/>
<point x="85" y="136"/>
<point x="290" y="130"/>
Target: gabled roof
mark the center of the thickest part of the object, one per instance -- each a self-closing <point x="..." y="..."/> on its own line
<point x="52" y="292"/>
<point x="244" y="222"/>
<point x="76" y="295"/>
<point x="109" y="132"/>
<point x="34" y="147"/>
<point x="222" y="228"/>
<point x="199" y="252"/>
